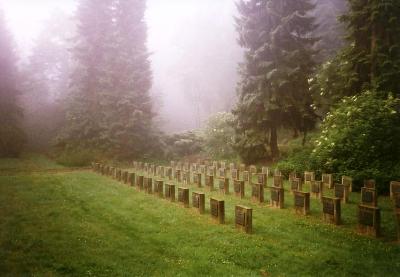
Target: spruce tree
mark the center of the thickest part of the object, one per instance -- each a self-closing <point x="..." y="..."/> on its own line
<point x="373" y="56"/>
<point x="274" y="90"/>
<point x="11" y="135"/>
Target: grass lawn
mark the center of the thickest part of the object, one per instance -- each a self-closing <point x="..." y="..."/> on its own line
<point x="83" y="224"/>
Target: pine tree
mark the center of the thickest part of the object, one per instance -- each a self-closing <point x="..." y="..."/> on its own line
<point x="90" y="78"/>
<point x="274" y="90"/>
<point x="373" y="57"/>
<point x="129" y="112"/>
<point x="11" y="136"/>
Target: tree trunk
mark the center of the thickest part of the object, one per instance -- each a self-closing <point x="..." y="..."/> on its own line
<point x="273" y="143"/>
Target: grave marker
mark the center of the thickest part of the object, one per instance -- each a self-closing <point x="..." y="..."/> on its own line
<point x="183" y="196"/>
<point x="246" y="176"/>
<point x="370" y="183"/>
<point x="210" y="182"/>
<point x="327" y="180"/>
<point x="309" y="176"/>
<point x="317" y="189"/>
<point x="197" y="179"/>
<point x="257" y="192"/>
<point x="265" y="170"/>
<point x="234" y="174"/>
<point x="278" y="181"/>
<point x="217" y="208"/>
<point x="170" y="192"/>
<point x="394" y="188"/>
<point x="178" y="175"/>
<point x="302" y="202"/>
<point x="238" y="187"/>
<point x="244" y="218"/>
<point x="348" y="181"/>
<point x="369" y="197"/>
<point x="118" y="177"/>
<point x="277" y="197"/>
<point x="295" y="184"/>
<point x="222" y="173"/>
<point x="369" y="220"/>
<point x="224" y="185"/>
<point x="140" y="182"/>
<point x="342" y="192"/>
<point x="262" y="179"/>
<point x="131" y="179"/>
<point x="331" y="210"/>
<point x="149" y="185"/>
<point x="253" y="169"/>
<point x="242" y="167"/>
<point x="198" y="201"/>
<point x="292" y="175"/>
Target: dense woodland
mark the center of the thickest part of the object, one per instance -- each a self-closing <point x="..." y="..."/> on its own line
<point x="319" y="89"/>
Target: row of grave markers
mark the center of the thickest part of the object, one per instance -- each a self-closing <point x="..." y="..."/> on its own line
<point x="243" y="215"/>
<point x="368" y="211"/>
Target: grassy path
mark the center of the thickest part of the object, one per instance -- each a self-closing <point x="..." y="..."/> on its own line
<point x="82" y="224"/>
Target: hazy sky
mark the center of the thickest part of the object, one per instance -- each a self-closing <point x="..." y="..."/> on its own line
<point x="184" y="37"/>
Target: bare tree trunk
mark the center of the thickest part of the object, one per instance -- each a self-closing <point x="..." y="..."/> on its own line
<point x="273" y="143"/>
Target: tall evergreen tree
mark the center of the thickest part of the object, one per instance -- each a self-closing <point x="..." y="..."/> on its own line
<point x="129" y="112"/>
<point x="373" y="56"/>
<point x="274" y="90"/>
<point x="11" y="136"/>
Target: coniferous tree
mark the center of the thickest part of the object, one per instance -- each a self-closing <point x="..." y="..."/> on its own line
<point x="11" y="136"/>
<point x="274" y="90"/>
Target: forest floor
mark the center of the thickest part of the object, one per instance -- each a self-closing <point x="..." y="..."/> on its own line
<point x="56" y="222"/>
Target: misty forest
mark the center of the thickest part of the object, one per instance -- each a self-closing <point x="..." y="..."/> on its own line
<point x="200" y="138"/>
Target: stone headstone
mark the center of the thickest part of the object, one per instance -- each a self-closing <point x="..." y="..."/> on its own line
<point x="234" y="174"/>
<point x="131" y="179"/>
<point x="197" y="179"/>
<point x="186" y="177"/>
<point x="265" y="170"/>
<point x="278" y="181"/>
<point x="369" y="220"/>
<point x="277" y="172"/>
<point x="169" y="173"/>
<point x="242" y="167"/>
<point x="317" y="189"/>
<point x="159" y="188"/>
<point x="295" y="184"/>
<point x="331" y="210"/>
<point x="246" y="176"/>
<point x="198" y="201"/>
<point x="244" y="218"/>
<point x="149" y="185"/>
<point x="222" y="173"/>
<point x="253" y="169"/>
<point x="119" y="175"/>
<point x="257" y="192"/>
<point x="302" y="202"/>
<point x="170" y="192"/>
<point x="178" y="175"/>
<point x="223" y="184"/>
<point x="217" y="209"/>
<point x="394" y="188"/>
<point x="308" y="177"/>
<point x="211" y="170"/>
<point x="342" y="192"/>
<point x="277" y="197"/>
<point x="262" y="179"/>
<point x="369" y="197"/>
<point x="183" y="196"/>
<point x="202" y="169"/>
<point x="370" y="183"/>
<point x="348" y="181"/>
<point x="238" y="188"/>
<point x="140" y="182"/>
<point x="293" y="175"/>
<point x="210" y="182"/>
<point x="327" y="180"/>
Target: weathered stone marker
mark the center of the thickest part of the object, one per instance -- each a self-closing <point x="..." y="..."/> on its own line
<point x="199" y="201"/>
<point x="369" y="220"/>
<point x="178" y="175"/>
<point x="111" y="172"/>
<point x="369" y="197"/>
<point x="170" y="192"/>
<point x="217" y="208"/>
<point x="331" y="210"/>
<point x="342" y="192"/>
<point x="262" y="179"/>
<point x="370" y="183"/>
<point x="186" y="177"/>
<point x="238" y="188"/>
<point x="327" y="180"/>
<point x="244" y="218"/>
<point x="210" y="182"/>
<point x="317" y="189"/>
<point x="295" y="184"/>
<point x="394" y="188"/>
<point x="265" y="170"/>
<point x="277" y="197"/>
<point x="131" y="179"/>
<point x="246" y="176"/>
<point x="257" y="192"/>
<point x="348" y="181"/>
<point x="309" y="176"/>
<point x="148" y="185"/>
<point x="119" y="173"/>
<point x="140" y="182"/>
<point x="197" y="179"/>
<point x="224" y="185"/>
<point x="159" y="188"/>
<point x="222" y="173"/>
<point x="234" y="174"/>
<point x="278" y="181"/>
<point x="253" y="169"/>
<point x="183" y="196"/>
<point x="302" y="202"/>
<point x="169" y="173"/>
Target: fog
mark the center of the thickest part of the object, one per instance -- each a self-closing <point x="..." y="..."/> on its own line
<point x="194" y="53"/>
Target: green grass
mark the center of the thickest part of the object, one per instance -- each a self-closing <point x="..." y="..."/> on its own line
<point x="83" y="224"/>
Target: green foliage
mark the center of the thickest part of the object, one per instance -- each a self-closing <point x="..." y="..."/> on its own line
<point x="182" y="145"/>
<point x="12" y="138"/>
<point x="78" y="157"/>
<point x="361" y="138"/>
<point x="274" y="90"/>
<point x="218" y="136"/>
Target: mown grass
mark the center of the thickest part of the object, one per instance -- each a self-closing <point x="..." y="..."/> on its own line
<point x="83" y="224"/>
